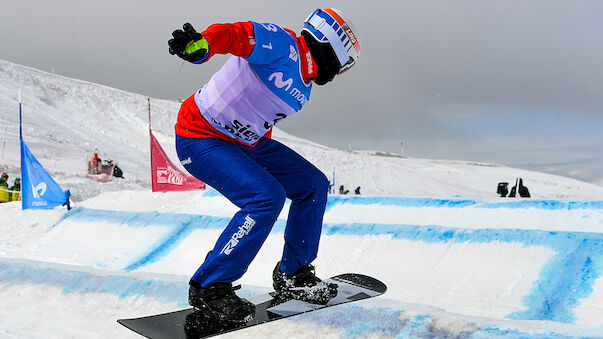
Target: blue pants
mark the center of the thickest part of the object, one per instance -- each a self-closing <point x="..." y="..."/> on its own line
<point x="257" y="180"/>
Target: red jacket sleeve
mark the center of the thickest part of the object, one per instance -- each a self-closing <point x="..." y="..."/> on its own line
<point x="236" y="39"/>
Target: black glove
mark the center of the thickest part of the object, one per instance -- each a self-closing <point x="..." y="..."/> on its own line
<point x="188" y="44"/>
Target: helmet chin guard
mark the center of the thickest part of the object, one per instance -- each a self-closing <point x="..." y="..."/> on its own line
<point x="330" y="25"/>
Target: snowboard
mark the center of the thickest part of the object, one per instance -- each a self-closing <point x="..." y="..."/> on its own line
<point x="189" y="323"/>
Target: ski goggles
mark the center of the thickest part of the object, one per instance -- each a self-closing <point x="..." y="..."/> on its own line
<point x="351" y="62"/>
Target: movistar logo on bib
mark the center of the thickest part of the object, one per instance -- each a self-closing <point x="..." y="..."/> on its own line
<point x="294" y="92"/>
<point x="278" y="80"/>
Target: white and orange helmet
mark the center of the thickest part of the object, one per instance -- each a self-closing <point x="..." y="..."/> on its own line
<point x="332" y="26"/>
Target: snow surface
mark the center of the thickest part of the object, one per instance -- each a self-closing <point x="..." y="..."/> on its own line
<point x="458" y="261"/>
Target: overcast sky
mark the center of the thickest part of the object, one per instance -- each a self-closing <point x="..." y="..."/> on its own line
<point x="517" y="82"/>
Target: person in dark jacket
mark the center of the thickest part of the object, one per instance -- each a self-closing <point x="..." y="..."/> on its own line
<point x="4" y="192"/>
<point x="15" y="195"/>
<point x="523" y="191"/>
<point x="503" y="189"/>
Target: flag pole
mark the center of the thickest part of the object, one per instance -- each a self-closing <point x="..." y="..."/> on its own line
<point x="20" y="118"/>
<point x="21" y="152"/>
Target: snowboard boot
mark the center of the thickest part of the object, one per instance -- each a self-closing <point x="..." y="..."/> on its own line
<point x="220" y="300"/>
<point x="302" y="285"/>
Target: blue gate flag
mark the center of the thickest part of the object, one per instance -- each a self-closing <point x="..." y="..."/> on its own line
<point x="38" y="189"/>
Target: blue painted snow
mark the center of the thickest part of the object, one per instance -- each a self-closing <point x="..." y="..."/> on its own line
<point x="462" y="203"/>
<point x="453" y="202"/>
<point x="354" y="321"/>
<point x="566" y="279"/>
<point x="73" y="281"/>
<point x="182" y="224"/>
<point x="164" y="247"/>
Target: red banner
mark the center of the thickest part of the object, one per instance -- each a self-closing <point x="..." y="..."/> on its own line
<point x="165" y="176"/>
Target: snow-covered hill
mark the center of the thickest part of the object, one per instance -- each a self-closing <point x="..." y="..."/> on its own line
<point x="459" y="262"/>
<point x="66" y="120"/>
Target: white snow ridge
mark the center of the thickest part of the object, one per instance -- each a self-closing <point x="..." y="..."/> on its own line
<point x="459" y="262"/>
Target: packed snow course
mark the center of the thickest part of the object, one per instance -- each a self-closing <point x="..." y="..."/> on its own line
<point x="458" y="261"/>
<point x="454" y="267"/>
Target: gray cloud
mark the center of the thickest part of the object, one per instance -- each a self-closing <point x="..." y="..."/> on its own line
<point x="437" y="74"/>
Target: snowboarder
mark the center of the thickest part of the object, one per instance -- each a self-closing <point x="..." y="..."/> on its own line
<point x="223" y="138"/>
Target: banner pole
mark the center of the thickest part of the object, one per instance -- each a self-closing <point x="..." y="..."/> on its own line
<point x="151" y="146"/>
<point x="149" y="105"/>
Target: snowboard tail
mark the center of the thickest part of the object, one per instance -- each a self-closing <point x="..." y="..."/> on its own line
<point x="190" y="323"/>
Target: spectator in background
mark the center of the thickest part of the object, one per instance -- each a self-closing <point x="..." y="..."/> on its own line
<point x="342" y="190"/>
<point x="357" y="190"/>
<point x="16" y="190"/>
<point x="4" y="192"/>
<point x="502" y="189"/>
<point x="117" y="172"/>
<point x="96" y="160"/>
<point x="523" y="191"/>
<point x="94" y="166"/>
